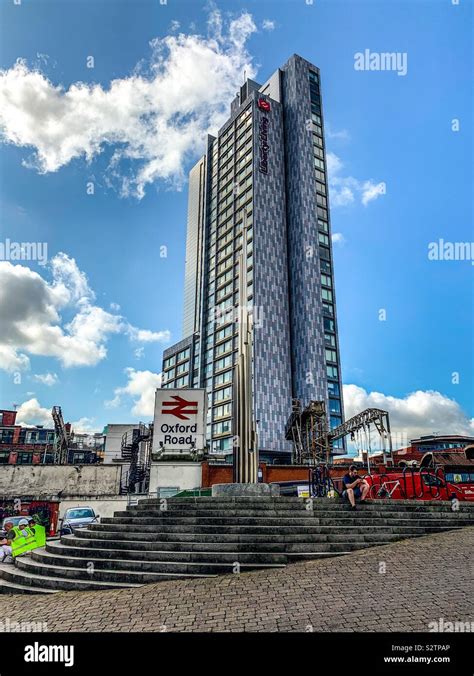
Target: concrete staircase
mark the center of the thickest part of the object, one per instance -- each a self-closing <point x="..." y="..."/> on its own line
<point x="205" y="537"/>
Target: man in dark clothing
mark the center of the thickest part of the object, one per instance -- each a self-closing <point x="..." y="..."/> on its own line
<point x="355" y="487"/>
<point x="6" y="544"/>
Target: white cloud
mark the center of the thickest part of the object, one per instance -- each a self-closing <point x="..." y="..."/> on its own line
<point x="175" y="26"/>
<point x="48" y="379"/>
<point x="11" y="360"/>
<point x="341" y="135"/>
<point x="146" y="336"/>
<point x="420" y="412"/>
<point x="268" y="25"/>
<point x="338" y="238"/>
<point x="30" y="315"/>
<point x="341" y="197"/>
<point x="345" y="189"/>
<point x="141" y="388"/>
<point x="154" y="118"/>
<point x="139" y="352"/>
<point x="32" y="413"/>
<point x="70" y="283"/>
<point x="371" y="191"/>
<point x="334" y="163"/>
<point x="113" y="403"/>
<point x="84" y="426"/>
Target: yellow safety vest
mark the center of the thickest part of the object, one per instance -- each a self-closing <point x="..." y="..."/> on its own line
<point x="24" y="543"/>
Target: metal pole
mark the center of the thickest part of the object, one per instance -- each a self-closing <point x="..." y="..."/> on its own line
<point x="390" y="447"/>
<point x="381" y="432"/>
<point x="244" y="428"/>
<point x="368" y="450"/>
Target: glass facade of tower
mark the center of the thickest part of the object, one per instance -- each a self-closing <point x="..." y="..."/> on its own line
<point x="267" y="166"/>
<point x="331" y="347"/>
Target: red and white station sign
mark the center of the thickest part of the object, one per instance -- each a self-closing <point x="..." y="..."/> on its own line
<point x="180" y="419"/>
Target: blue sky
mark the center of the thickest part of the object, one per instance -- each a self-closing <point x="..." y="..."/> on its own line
<point x="383" y="128"/>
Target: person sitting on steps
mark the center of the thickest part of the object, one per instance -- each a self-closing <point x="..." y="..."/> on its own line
<point x="354" y="486"/>
<point x="6" y="543"/>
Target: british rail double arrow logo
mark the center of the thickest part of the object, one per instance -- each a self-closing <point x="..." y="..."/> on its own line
<point x="180" y="407"/>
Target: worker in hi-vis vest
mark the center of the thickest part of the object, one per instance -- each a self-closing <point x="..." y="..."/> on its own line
<point x="24" y="538"/>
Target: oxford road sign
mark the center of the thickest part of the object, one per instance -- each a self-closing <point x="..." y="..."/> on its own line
<point x="180" y="420"/>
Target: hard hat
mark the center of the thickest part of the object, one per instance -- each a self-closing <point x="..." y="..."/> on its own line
<point x="23" y="522"/>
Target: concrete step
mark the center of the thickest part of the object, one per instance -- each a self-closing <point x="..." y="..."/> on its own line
<point x="182" y="556"/>
<point x="225" y="500"/>
<point x="345" y="511"/>
<point x="284" y="503"/>
<point x="254" y="508"/>
<point x="311" y="555"/>
<point x="40" y="582"/>
<point x="173" y="545"/>
<point x="307" y="527"/>
<point x="330" y="547"/>
<point x="183" y="567"/>
<point x="108" y="575"/>
<point x="232" y="553"/>
<point x="293" y="536"/>
<point x="8" y="587"/>
<point x="280" y="500"/>
<point x="349" y="519"/>
<point x="208" y="548"/>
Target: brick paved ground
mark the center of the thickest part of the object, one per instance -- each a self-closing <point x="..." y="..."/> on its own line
<point x="425" y="579"/>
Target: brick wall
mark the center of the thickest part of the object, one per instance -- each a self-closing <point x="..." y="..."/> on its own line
<point x="222" y="474"/>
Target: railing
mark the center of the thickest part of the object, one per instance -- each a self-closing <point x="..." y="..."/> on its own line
<point x="167" y="491"/>
<point x="320" y="483"/>
<point x="164" y="492"/>
<point x="134" y="498"/>
<point x="425" y="486"/>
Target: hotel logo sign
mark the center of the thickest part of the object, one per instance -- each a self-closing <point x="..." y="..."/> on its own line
<point x="263" y="146"/>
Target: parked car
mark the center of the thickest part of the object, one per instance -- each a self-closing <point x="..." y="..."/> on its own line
<point x="77" y="517"/>
<point x="15" y="520"/>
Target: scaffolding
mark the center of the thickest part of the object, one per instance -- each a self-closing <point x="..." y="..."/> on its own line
<point x="61" y="437"/>
<point x="360" y="425"/>
<point x="136" y="449"/>
<point x="307" y="428"/>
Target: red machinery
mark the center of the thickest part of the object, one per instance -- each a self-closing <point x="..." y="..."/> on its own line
<point x="442" y="475"/>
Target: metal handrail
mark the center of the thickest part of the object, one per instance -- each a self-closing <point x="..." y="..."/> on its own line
<point x="434" y="489"/>
<point x="405" y="470"/>
<point x="320" y="482"/>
